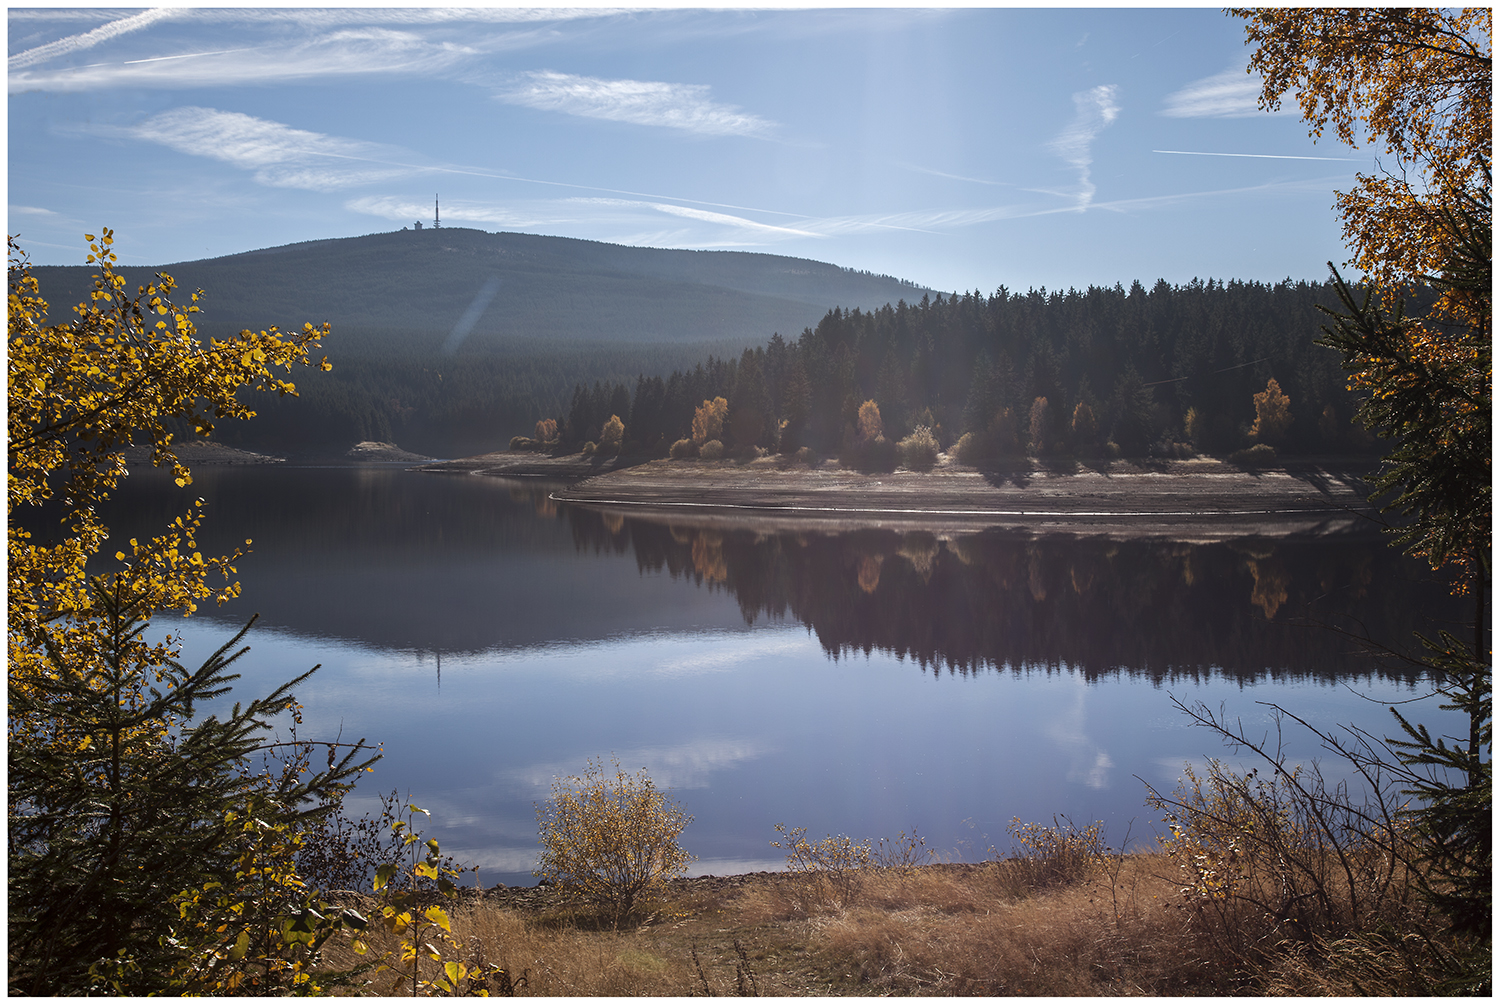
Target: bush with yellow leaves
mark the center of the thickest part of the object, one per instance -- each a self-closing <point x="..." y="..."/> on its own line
<point x="611" y="838"/>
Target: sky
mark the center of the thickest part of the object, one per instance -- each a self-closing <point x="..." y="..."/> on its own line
<point x="961" y="149"/>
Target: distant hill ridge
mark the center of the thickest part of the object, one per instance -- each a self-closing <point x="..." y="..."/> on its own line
<point x="415" y="286"/>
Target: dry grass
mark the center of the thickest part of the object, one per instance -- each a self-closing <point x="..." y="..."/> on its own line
<point x="1125" y="928"/>
<point x="974" y="932"/>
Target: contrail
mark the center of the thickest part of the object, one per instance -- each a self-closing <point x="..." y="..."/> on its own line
<point x="1273" y="157"/>
<point x="88" y="39"/>
<point x="471" y="316"/>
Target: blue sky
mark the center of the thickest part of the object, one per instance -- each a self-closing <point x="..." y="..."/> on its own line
<point x="961" y="148"/>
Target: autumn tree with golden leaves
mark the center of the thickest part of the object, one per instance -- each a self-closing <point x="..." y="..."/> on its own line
<point x="119" y="795"/>
<point x="1418" y="83"/>
<point x="1273" y="414"/>
<point x="708" y="420"/>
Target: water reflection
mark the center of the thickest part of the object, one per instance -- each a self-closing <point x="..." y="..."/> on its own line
<point x="859" y="683"/>
<point x="1002" y="599"/>
<point x="460" y="564"/>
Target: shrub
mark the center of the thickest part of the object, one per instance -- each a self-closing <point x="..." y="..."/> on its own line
<point x="712" y="450"/>
<point x="828" y="868"/>
<point x="1085" y="429"/>
<point x="1196" y="427"/>
<point x="611" y="436"/>
<point x="1287" y="858"/>
<point x="805" y="455"/>
<point x="683" y="448"/>
<point x="877" y="455"/>
<point x="968" y="450"/>
<point x="830" y="871"/>
<point x="590" y="448"/>
<point x="611" y="840"/>
<point x="1059" y="855"/>
<point x="919" y="451"/>
<point x="524" y="443"/>
<point x="1257" y="456"/>
<point x="903" y="853"/>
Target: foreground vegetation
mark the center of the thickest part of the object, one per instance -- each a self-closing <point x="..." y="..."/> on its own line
<point x="1059" y="914"/>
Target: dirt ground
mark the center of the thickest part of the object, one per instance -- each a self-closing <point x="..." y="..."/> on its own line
<point x="1198" y="499"/>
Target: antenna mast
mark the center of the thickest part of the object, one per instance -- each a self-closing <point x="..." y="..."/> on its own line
<point x="437" y="220"/>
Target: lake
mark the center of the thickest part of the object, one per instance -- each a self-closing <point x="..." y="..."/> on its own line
<point x="863" y="683"/>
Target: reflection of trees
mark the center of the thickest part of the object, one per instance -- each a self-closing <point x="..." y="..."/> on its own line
<point x="1269" y="592"/>
<point x="708" y="556"/>
<point x="997" y="600"/>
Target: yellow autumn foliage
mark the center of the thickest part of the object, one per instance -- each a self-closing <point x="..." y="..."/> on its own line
<point x="115" y="374"/>
<point x="611" y="839"/>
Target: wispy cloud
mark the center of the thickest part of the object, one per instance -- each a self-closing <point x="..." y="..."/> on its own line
<point x="360" y="50"/>
<point x="630" y="221"/>
<point x="1094" y="110"/>
<point x="1273" y="157"/>
<point x="943" y="174"/>
<point x="280" y="155"/>
<point x="942" y="220"/>
<point x="283" y="156"/>
<point x="1233" y="94"/>
<point x="725" y="219"/>
<point x="640" y="102"/>
<point x="88" y="39"/>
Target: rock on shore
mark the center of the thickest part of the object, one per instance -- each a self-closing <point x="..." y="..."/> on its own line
<point x="375" y="450"/>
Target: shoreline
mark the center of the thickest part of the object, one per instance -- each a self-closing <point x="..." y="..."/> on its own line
<point x="1200" y="498"/>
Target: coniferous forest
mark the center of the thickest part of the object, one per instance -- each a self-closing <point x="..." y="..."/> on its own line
<point x="1101" y="372"/>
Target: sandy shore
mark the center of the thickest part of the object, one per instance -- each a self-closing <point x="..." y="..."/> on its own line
<point x="1198" y="499"/>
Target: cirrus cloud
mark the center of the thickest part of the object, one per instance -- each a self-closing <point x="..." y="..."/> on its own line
<point x="280" y="155"/>
<point x="639" y="102"/>
<point x="1232" y="94"/>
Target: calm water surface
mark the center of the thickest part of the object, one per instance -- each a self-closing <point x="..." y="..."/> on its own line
<point x="861" y="683"/>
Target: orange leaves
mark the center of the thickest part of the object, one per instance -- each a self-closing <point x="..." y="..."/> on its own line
<point x="1273" y="414"/>
<point x="870" y="425"/>
<point x="1418" y="82"/>
<point x="708" y="420"/>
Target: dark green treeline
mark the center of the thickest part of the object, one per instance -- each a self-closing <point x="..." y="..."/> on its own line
<point x="1153" y="368"/>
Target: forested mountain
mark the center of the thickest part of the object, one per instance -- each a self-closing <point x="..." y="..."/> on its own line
<point x="410" y="288"/>
<point x="451" y="341"/>
<point x="1101" y="371"/>
<point x="545" y="313"/>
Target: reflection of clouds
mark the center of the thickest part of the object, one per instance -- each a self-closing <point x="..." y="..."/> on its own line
<point x="1088" y="763"/>
<point x="683" y="766"/>
<point x="1097" y="776"/>
<point x="352" y="670"/>
<point x="728" y="655"/>
<point x="498" y="859"/>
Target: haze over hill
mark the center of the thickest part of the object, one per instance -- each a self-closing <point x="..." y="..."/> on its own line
<point x="410" y="288"/>
<point x="450" y="341"/>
